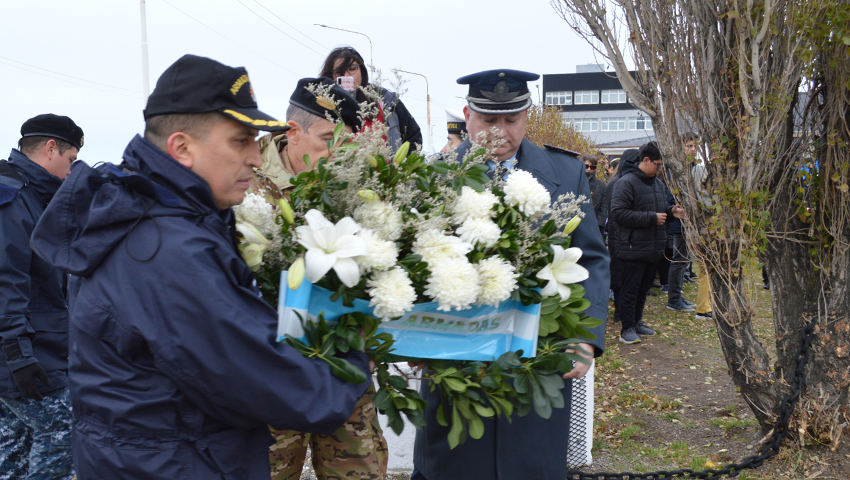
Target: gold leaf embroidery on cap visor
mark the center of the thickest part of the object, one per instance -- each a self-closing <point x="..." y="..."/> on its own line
<point x="238" y="84"/>
<point x="257" y="122"/>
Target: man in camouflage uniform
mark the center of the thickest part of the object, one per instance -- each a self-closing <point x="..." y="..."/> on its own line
<point x="358" y="450"/>
<point x="35" y="411"/>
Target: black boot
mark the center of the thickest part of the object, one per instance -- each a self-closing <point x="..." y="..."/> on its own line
<point x="616" y="318"/>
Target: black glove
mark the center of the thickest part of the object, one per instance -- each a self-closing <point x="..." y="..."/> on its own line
<point x="25" y="377"/>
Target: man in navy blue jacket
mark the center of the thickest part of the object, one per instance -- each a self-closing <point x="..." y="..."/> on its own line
<point x="35" y="414"/>
<point x="174" y="368"/>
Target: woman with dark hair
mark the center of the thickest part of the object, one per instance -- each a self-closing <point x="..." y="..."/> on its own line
<point x="345" y="61"/>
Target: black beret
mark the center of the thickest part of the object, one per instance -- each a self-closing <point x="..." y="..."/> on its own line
<point x="499" y="91"/>
<point x="334" y="100"/>
<point x="196" y="84"/>
<point x="56" y="126"/>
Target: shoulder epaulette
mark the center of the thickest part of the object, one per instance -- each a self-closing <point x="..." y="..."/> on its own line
<point x="561" y="150"/>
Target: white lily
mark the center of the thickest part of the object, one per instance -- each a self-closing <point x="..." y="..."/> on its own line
<point x="331" y="246"/>
<point x="253" y="255"/>
<point x="252" y="234"/>
<point x="563" y="270"/>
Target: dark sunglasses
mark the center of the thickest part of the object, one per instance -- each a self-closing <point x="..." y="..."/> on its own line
<point x="590" y="167"/>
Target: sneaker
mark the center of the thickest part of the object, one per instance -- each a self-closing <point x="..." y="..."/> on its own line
<point x="690" y="304"/>
<point x="688" y="280"/>
<point x="665" y="288"/>
<point x="656" y="284"/>
<point x="652" y="293"/>
<point x="766" y="286"/>
<point x="680" y="307"/>
<point x="629" y="336"/>
<point x="705" y="316"/>
<point x="644" y="331"/>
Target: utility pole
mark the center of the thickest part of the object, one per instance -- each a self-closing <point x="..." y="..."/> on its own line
<point x="146" y="84"/>
<point x="427" y="104"/>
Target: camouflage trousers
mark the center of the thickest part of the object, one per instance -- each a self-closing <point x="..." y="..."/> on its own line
<point x="358" y="450"/>
<point x="35" y="437"/>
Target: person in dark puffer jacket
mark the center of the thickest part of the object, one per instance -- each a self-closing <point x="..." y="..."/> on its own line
<point x="639" y="208"/>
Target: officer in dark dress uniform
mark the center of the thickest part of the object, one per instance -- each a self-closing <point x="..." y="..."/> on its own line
<point x="528" y="447"/>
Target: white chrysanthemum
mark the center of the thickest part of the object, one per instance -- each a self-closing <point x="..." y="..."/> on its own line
<point x="254" y="210"/>
<point x="381" y="218"/>
<point x="382" y="253"/>
<point x="482" y="230"/>
<point x="453" y="283"/>
<point x="497" y="279"/>
<point x="471" y="204"/>
<point x="392" y="293"/>
<point x="522" y="189"/>
<point x="434" y="246"/>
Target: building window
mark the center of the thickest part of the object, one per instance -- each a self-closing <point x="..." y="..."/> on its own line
<point x="640" y="123"/>
<point x="586" y="97"/>
<point x="586" y="124"/>
<point x="613" y="124"/>
<point x="613" y="96"/>
<point x="559" y="98"/>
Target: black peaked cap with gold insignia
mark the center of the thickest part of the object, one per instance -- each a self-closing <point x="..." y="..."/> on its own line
<point x="54" y="126"/>
<point x="196" y="84"/>
<point x="499" y="91"/>
<point x="337" y="103"/>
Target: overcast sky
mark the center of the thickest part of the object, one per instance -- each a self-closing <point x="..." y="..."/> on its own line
<point x="83" y="58"/>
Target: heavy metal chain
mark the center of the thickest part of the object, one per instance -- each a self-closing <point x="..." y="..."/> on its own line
<point x="755" y="461"/>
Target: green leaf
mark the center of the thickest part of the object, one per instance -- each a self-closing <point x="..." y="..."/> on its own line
<point x="476" y="427"/>
<point x="548" y="325"/>
<point x="552" y="384"/>
<point x="338" y="131"/>
<point x="482" y="410"/>
<point x="457" y="427"/>
<point x="579" y="305"/>
<point x="541" y="401"/>
<point x="382" y="400"/>
<point x="506" y="405"/>
<point x="521" y="384"/>
<point x="345" y="370"/>
<point x="441" y="415"/>
<point x="348" y="147"/>
<point x="474" y="184"/>
<point x="397" y="382"/>
<point x="454" y="384"/>
<point x="440" y="167"/>
<point x="547" y="308"/>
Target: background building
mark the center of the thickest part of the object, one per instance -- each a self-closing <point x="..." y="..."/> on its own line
<point x="594" y="101"/>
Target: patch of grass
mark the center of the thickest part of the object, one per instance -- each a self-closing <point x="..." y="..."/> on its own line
<point x="671" y="416"/>
<point x="628" y="432"/>
<point x="598" y="443"/>
<point x="728" y="423"/>
<point x="698" y="463"/>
